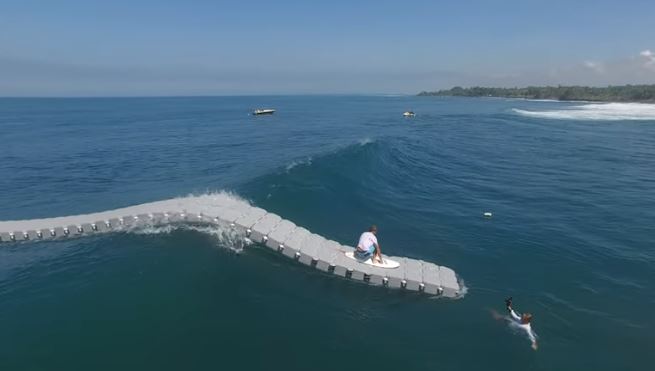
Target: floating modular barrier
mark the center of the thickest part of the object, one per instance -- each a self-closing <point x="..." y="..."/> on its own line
<point x="257" y="224"/>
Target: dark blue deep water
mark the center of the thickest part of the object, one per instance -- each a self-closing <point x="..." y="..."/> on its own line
<point x="572" y="238"/>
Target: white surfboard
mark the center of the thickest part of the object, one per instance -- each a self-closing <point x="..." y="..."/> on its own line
<point x="386" y="263"/>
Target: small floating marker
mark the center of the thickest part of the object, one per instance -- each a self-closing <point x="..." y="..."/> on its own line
<point x="487" y="214"/>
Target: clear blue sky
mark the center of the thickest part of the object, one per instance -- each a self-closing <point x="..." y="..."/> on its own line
<point x="171" y="47"/>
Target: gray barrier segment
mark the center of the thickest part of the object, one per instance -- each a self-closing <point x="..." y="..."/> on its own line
<point x="115" y="223"/>
<point x="158" y="218"/>
<point x="176" y="217"/>
<point x="377" y="275"/>
<point x="264" y="226"/>
<point x="230" y="215"/>
<point x="327" y="253"/>
<point x="396" y="276"/>
<point x="141" y="220"/>
<point x="87" y="228"/>
<point x="60" y="233"/>
<point x="431" y="279"/>
<point x="276" y="233"/>
<point x="413" y="274"/>
<point x="344" y="265"/>
<point x="276" y="238"/>
<point x="32" y="235"/>
<point x="309" y="249"/>
<point x="73" y="230"/>
<point x="127" y="221"/>
<point x="101" y="226"/>
<point x="361" y="271"/>
<point x="247" y="218"/>
<point x="448" y="282"/>
<point x="46" y="234"/>
<point x="294" y="241"/>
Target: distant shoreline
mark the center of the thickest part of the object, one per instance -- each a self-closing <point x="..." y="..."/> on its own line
<point x="614" y="94"/>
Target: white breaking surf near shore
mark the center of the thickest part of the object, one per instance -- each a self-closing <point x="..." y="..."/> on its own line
<point x="597" y="111"/>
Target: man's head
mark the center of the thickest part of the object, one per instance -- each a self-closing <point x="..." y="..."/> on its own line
<point x="526" y="318"/>
<point x="373" y="229"/>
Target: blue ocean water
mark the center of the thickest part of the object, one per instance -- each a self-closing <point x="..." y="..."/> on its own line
<point x="571" y="189"/>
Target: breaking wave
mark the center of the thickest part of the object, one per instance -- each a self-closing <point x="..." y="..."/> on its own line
<point x="222" y="234"/>
<point x="597" y="111"/>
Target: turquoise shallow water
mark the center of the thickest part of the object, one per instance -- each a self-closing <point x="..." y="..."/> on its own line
<point x="571" y="238"/>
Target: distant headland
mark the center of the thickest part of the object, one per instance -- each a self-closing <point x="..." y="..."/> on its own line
<point x="621" y="93"/>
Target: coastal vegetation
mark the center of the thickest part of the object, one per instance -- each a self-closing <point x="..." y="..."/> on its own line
<point x="622" y="93"/>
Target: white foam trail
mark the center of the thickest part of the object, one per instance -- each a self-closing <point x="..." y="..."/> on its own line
<point x="597" y="111"/>
<point x="306" y="162"/>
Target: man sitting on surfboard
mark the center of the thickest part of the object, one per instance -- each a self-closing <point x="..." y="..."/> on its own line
<point x="368" y="245"/>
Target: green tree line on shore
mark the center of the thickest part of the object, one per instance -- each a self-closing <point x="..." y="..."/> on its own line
<point x="622" y="93"/>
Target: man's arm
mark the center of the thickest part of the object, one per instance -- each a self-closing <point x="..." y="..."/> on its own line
<point x="513" y="314"/>
<point x="378" y="251"/>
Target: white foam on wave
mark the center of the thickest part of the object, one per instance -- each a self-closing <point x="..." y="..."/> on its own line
<point x="223" y="235"/>
<point x="365" y="141"/>
<point x="597" y="111"/>
<point x="302" y="162"/>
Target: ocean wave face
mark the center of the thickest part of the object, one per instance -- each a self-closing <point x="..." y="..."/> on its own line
<point x="596" y="111"/>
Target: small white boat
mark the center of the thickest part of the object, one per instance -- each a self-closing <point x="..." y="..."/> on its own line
<point x="409" y="114"/>
<point x="263" y="111"/>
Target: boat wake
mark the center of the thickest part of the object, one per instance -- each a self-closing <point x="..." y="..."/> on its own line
<point x="597" y="111"/>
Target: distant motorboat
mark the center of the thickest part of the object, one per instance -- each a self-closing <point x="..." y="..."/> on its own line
<point x="409" y="114"/>
<point x="264" y="111"/>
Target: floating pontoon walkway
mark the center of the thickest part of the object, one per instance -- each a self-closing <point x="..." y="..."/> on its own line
<point x="257" y="224"/>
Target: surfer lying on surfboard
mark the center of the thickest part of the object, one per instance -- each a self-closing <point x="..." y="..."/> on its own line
<point x="368" y="245"/>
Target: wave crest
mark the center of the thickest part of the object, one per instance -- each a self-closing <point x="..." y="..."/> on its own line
<point x="597" y="111"/>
